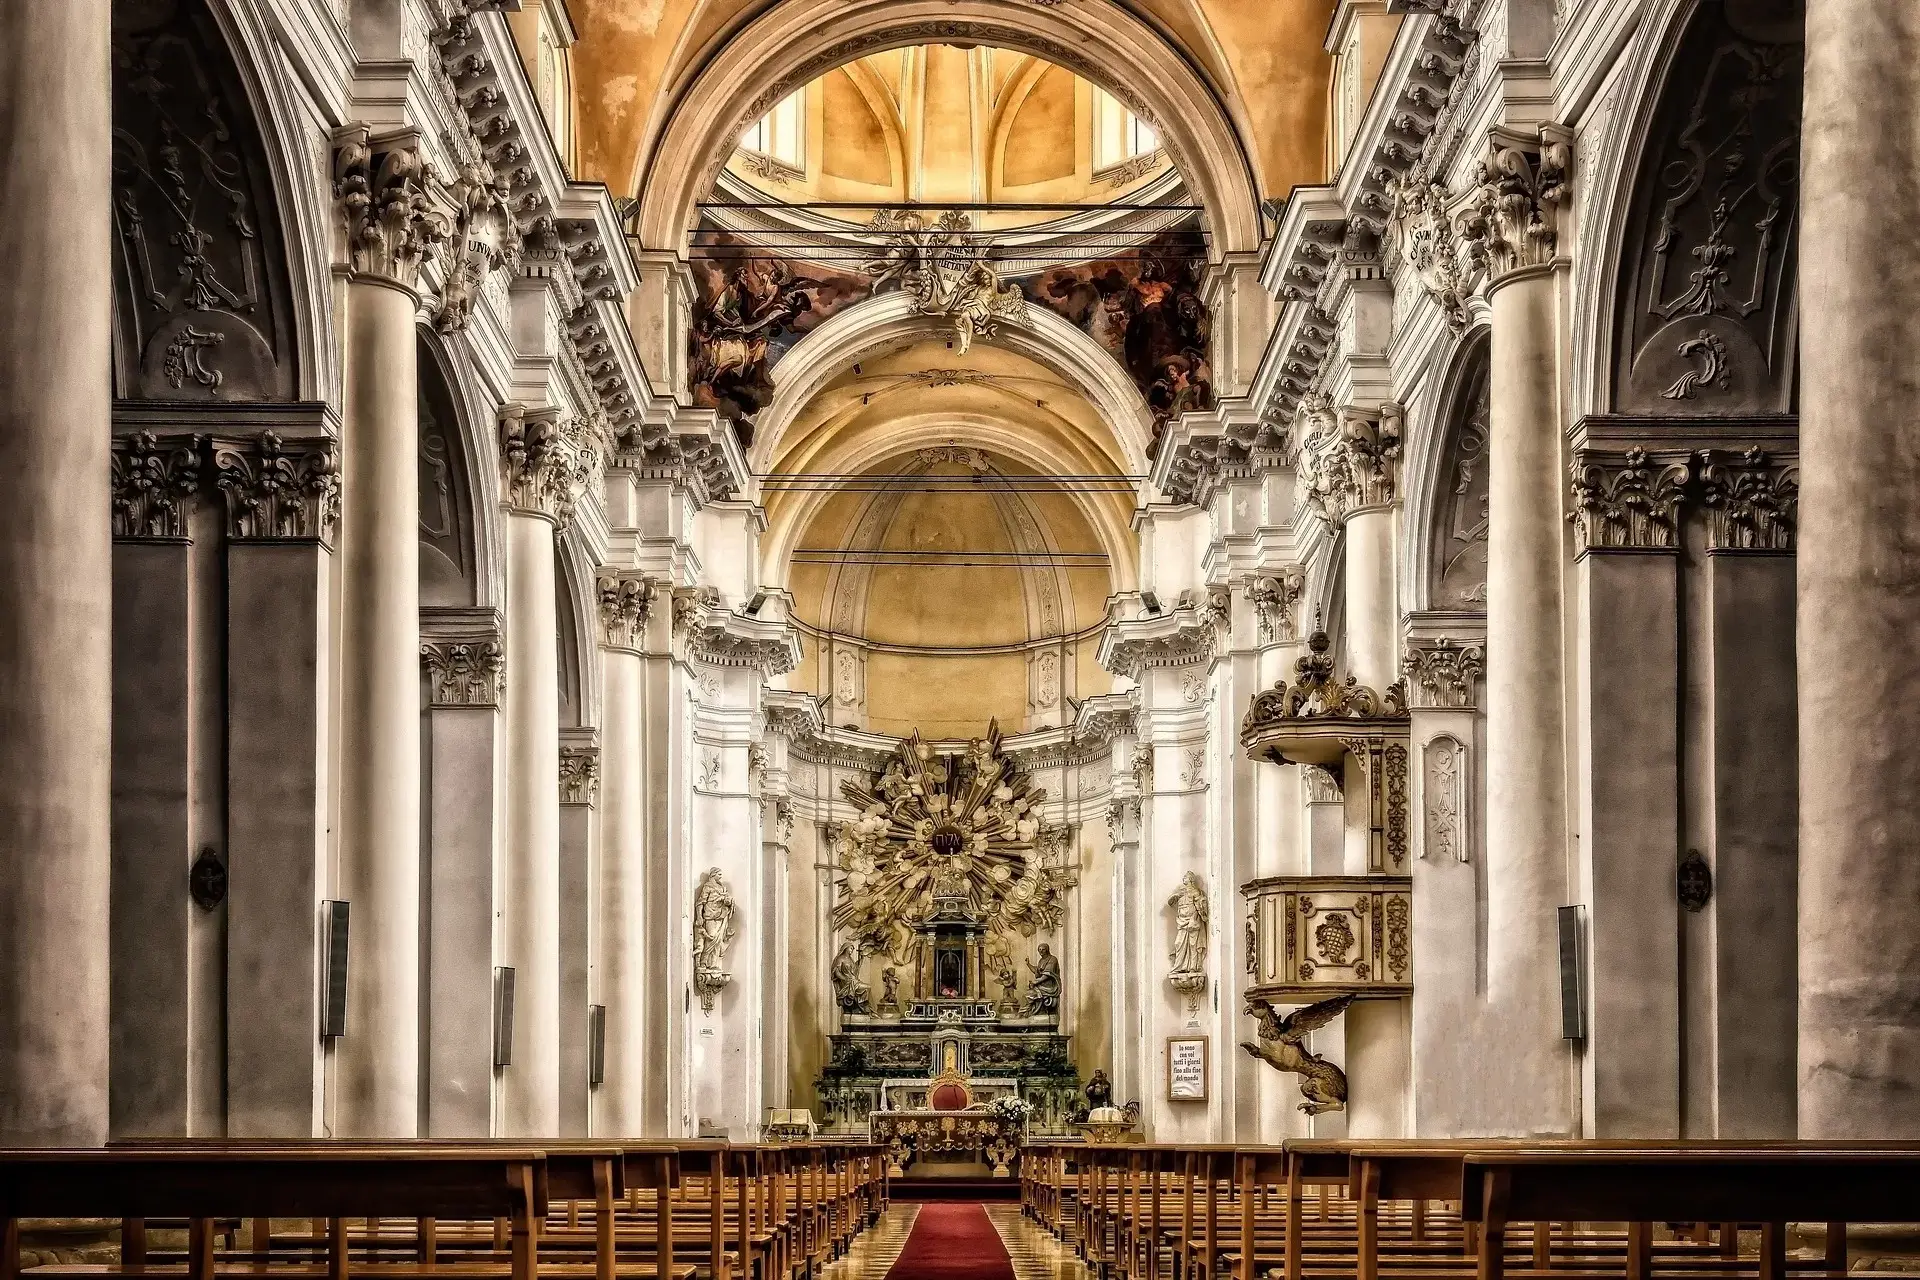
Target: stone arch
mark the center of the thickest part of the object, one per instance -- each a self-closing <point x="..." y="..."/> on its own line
<point x="1667" y="341"/>
<point x="576" y="612"/>
<point x="790" y="43"/>
<point x="451" y="563"/>
<point x="889" y="320"/>
<point x="205" y="306"/>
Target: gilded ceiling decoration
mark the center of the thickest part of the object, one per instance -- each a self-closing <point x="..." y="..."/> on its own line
<point x="962" y="828"/>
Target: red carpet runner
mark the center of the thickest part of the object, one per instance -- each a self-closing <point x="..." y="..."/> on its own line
<point x="952" y="1242"/>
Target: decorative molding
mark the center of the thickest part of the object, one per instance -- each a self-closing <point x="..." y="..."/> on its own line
<point x="1751" y="498"/>
<point x="1445" y="789"/>
<point x="1350" y="458"/>
<point x="626" y="601"/>
<point x="1174" y="638"/>
<point x="381" y="185"/>
<point x="1627" y="501"/>
<point x="279" y="489"/>
<point x="155" y="480"/>
<point x="462" y="673"/>
<point x="1193" y="769"/>
<point x="1512" y="223"/>
<point x="713" y="931"/>
<point x="943" y="266"/>
<point x="579" y="774"/>
<point x="1317" y="695"/>
<point x="1442" y="674"/>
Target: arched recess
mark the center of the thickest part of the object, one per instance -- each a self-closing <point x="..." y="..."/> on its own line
<point x="1686" y="292"/>
<point x="1447" y="494"/>
<point x="794" y="41"/>
<point x="204" y="301"/>
<point x="451" y="564"/>
<point x="788" y="520"/>
<point x="889" y="321"/>
<point x="579" y="668"/>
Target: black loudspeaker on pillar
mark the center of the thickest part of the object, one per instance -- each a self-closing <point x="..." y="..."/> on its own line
<point x="596" y="1044"/>
<point x="333" y="1009"/>
<point x="502" y="1016"/>
<point x="1573" y="986"/>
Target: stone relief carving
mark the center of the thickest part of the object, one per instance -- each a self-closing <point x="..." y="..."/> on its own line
<point x="1512" y="222"/>
<point x="710" y="767"/>
<point x="1275" y="596"/>
<point x="942" y="264"/>
<point x="1445" y="788"/>
<point x="381" y="184"/>
<point x="1349" y="457"/>
<point x="713" y="932"/>
<point x="467" y="674"/>
<point x="545" y="461"/>
<point x="1752" y="500"/>
<point x="154" y="484"/>
<point x="202" y="301"/>
<point x="1193" y="769"/>
<point x="579" y="775"/>
<point x="1705" y="322"/>
<point x="482" y="236"/>
<point x="1442" y="673"/>
<point x="279" y="489"/>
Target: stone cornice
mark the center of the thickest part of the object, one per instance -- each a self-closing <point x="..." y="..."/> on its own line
<point x="1171" y="638"/>
<point x="768" y="644"/>
<point x="1106" y="716"/>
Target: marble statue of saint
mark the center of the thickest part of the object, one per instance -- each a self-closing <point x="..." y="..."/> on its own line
<point x="1043" y="988"/>
<point x="890" y="988"/>
<point x="854" y="995"/>
<point x="1189" y="903"/>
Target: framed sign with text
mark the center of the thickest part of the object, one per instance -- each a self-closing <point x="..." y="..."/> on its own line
<point x="1186" y="1068"/>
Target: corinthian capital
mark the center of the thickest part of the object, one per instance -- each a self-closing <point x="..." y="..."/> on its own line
<point x="381" y="185"/>
<point x="1752" y="500"/>
<point x="626" y="599"/>
<point x="279" y="490"/>
<point x="1513" y="222"/>
<point x="542" y="468"/>
<point x="1442" y="673"/>
<point x="1350" y="458"/>
<point x="154" y="483"/>
<point x="1627" y="501"/>
<point x="463" y="673"/>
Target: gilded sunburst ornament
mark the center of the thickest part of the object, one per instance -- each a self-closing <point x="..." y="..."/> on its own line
<point x="938" y="828"/>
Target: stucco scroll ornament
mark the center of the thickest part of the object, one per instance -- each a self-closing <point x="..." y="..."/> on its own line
<point x="1317" y="694"/>
<point x="1444" y="673"/>
<point x="1627" y="500"/>
<point x="626" y="601"/>
<point x="381" y="185"/>
<point x="1191" y="921"/>
<point x="1513" y="220"/>
<point x="154" y="482"/>
<point x="483" y="238"/>
<point x="1283" y="1046"/>
<point x="1275" y="596"/>
<point x="713" y="932"/>
<point x="466" y="674"/>
<point x="1427" y="238"/>
<point x="943" y="265"/>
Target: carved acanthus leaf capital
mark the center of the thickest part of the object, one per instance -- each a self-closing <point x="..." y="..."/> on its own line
<point x="544" y="462"/>
<point x="154" y="483"/>
<point x="381" y="185"/>
<point x="1275" y="597"/>
<point x="579" y="775"/>
<point x="1627" y="501"/>
<point x="464" y="673"/>
<point x="1513" y="219"/>
<point x="279" y="489"/>
<point x="1442" y="674"/>
<point x="626" y="601"/>
<point x="1752" y="500"/>
<point x="1350" y="457"/>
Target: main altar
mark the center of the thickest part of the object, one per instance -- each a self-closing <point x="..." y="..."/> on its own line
<point x="949" y="885"/>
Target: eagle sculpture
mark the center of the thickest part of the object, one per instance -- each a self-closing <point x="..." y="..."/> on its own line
<point x="1283" y="1046"/>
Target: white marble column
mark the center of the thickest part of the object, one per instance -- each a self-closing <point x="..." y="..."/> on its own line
<point x="536" y="480"/>
<point x="378" y="180"/>
<point x="1527" y="1086"/>
<point x="626" y="607"/>
<point x="1858" y="609"/>
<point x="55" y="567"/>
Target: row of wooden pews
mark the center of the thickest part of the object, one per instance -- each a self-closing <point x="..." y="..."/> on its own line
<point x="1471" y="1209"/>
<point x="451" y="1210"/>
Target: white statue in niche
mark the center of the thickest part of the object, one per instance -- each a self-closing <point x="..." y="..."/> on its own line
<point x="713" y="931"/>
<point x="1189" y="952"/>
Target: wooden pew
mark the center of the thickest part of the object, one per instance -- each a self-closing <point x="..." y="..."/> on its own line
<point x="1770" y="1184"/>
<point x="312" y="1182"/>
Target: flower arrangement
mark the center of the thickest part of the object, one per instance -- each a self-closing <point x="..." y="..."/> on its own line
<point x="1011" y="1106"/>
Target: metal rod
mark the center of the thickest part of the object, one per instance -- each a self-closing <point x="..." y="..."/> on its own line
<point x="977" y="206"/>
